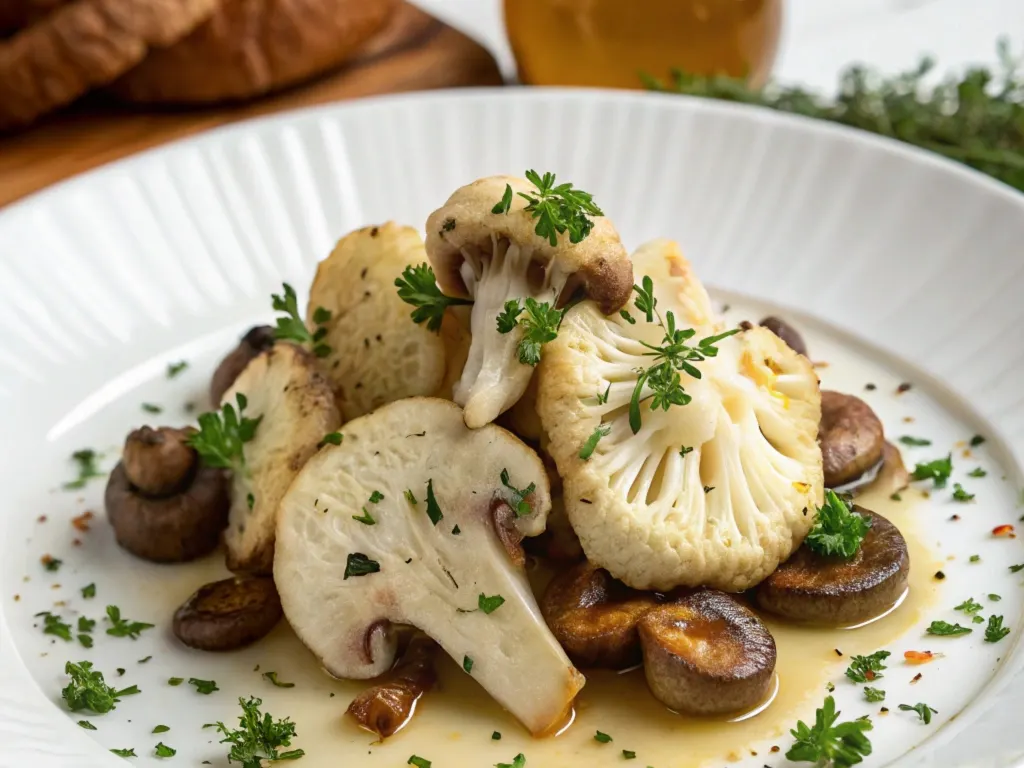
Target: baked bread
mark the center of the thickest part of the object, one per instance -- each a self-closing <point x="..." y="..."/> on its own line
<point x="83" y="44"/>
<point x="251" y="47"/>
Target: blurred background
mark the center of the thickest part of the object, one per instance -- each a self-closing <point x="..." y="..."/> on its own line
<point x="83" y="82"/>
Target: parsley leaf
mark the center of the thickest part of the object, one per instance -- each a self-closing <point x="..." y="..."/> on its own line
<point x="467" y="664"/>
<point x="54" y="625"/>
<point x="945" y="628"/>
<point x="540" y="325"/>
<point x="161" y="729"/>
<point x="938" y="471"/>
<point x="410" y="497"/>
<point x="558" y="209"/>
<point x="603" y="738"/>
<point x="518" y="496"/>
<point x="504" y="205"/>
<point x="87" y="460"/>
<point x="864" y="669"/>
<point x="89" y="591"/>
<point x="366" y="518"/>
<point x="162" y="750"/>
<point x="175" y="681"/>
<point x="601" y="430"/>
<point x="51" y="564"/>
<point x="995" y="631"/>
<point x="628" y="754"/>
<point x="841" y="745"/>
<point x="496" y="736"/>
<point x="359" y="564"/>
<point x="292" y="327"/>
<point x="977" y="472"/>
<point x="205" y="687"/>
<point x="331" y="438"/>
<point x="923" y="710"/>
<point x="258" y="737"/>
<point x="517" y="762"/>
<point x="124" y="752"/>
<point x="222" y="434"/>
<point x="418" y="287"/>
<point x="489" y="604"/>
<point x="873" y="694"/>
<point x="969" y="606"/>
<point x="88" y="690"/>
<point x="433" y="508"/>
<point x="977" y="440"/>
<point x="914" y="441"/>
<point x="509" y="317"/>
<point x="838" y="531"/>
<point x="271" y="677"/>
<point x="87" y="725"/>
<point x="959" y="494"/>
<point x="123" y="627"/>
<point x="173" y="369"/>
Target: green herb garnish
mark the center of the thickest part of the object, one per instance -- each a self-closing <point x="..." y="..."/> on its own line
<point x="222" y="435"/>
<point x="603" y="738"/>
<point x="89" y="591"/>
<point x="467" y="664"/>
<point x="173" y="369"/>
<point x="87" y="725"/>
<point x="517" y="762"/>
<point x="331" y="438"/>
<point x="864" y="669"/>
<point x="123" y="627"/>
<point x="628" y="754"/>
<point x="359" y="564"/>
<point x="292" y="327"/>
<point x="489" y="604"/>
<point x="162" y="750"/>
<point x="87" y="460"/>
<point x="558" y="209"/>
<point x="509" y="317"/>
<point x="840" y="745"/>
<point x="837" y="531"/>
<point x="969" y="606"/>
<point x="518" y="496"/>
<point x="433" y="508"/>
<point x="124" y="752"/>
<point x="366" y="518"/>
<point x="419" y="762"/>
<point x="496" y="736"/>
<point x="914" y="441"/>
<point x="601" y="430"/>
<point x="161" y="729"/>
<point x="995" y="631"/>
<point x="873" y="694"/>
<point x="959" y="494"/>
<point x="271" y="677"/>
<point x="923" y="711"/>
<point x="938" y="471"/>
<point x="410" y="497"/>
<point x="175" y="681"/>
<point x="977" y="472"/>
<point x="258" y="736"/>
<point x="54" y="625"/>
<point x="945" y="628"/>
<point x="977" y="440"/>
<point x="205" y="687"/>
<point x="87" y="689"/>
<point x="418" y="287"/>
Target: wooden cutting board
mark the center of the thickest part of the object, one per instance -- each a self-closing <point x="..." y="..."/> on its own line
<point x="415" y="52"/>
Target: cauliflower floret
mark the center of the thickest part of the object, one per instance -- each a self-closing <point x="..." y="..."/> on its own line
<point x="715" y="492"/>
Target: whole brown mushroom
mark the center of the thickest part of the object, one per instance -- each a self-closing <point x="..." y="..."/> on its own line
<point x="258" y="339"/>
<point x="786" y="332"/>
<point x="228" y="614"/>
<point x="851" y="438"/>
<point x="164" y="504"/>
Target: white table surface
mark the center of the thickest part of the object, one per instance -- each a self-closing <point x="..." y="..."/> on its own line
<point x="821" y="37"/>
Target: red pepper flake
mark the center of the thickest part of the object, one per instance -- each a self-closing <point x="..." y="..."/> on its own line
<point x="955" y="517"/>
<point x="917" y="677"/>
<point x="41" y="519"/>
<point x="1004" y="530"/>
<point x="774" y="748"/>
<point x="918" y="657"/>
<point x="76" y="542"/>
<point x="904" y="387"/>
<point x="869" y="675"/>
<point x="82" y="521"/>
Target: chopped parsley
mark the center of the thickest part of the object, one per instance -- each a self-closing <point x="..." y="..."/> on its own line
<point x="51" y="564"/>
<point x="366" y="518"/>
<point x="258" y="736"/>
<point x="601" y="430"/>
<point x="88" y="690"/>
<point x="359" y="564"/>
<point x="518" y="498"/>
<point x="87" y="725"/>
<point x="410" y="497"/>
<point x="504" y="205"/>
<point x="161" y="729"/>
<point x="969" y="606"/>
<point x="977" y="440"/>
<point x="489" y="604"/>
<point x="173" y="369"/>
<point x="292" y="327"/>
<point x="923" y="711"/>
<point x="517" y="762"/>
<point x="162" y="750"/>
<point x="959" y="494"/>
<point x="509" y="317"/>
<point x="205" y="687"/>
<point x="1017" y="568"/>
<point x="467" y="664"/>
<point x="496" y="736"/>
<point x="864" y="669"/>
<point x="683" y="450"/>
<point x="54" y="625"/>
<point x="977" y="472"/>
<point x="376" y="497"/>
<point x="873" y="694"/>
<point x="418" y="287"/>
<point x="601" y="737"/>
<point x="945" y="628"/>
<point x="914" y="441"/>
<point x="456" y="531"/>
<point x="152" y="408"/>
<point x="175" y="681"/>
<point x="841" y="745"/>
<point x="975" y="558"/>
<point x="938" y="471"/>
<point x="628" y="754"/>
<point x="89" y="591"/>
<point x="123" y="627"/>
<point x="222" y="434"/>
<point x="433" y="508"/>
<point x="837" y="531"/>
<point x="87" y="460"/>
<point x="994" y="597"/>
<point x="540" y="325"/>
<point x="331" y="438"/>
<point x="624" y="314"/>
<point x="602" y="399"/>
<point x="419" y="762"/>
<point x="995" y="631"/>
<point x="124" y="752"/>
<point x="271" y="677"/>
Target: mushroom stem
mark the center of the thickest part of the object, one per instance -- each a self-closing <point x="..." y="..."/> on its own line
<point x="158" y="461"/>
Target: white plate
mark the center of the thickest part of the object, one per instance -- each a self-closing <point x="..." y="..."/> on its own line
<point x="905" y="267"/>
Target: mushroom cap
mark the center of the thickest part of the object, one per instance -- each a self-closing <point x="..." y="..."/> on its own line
<point x="638" y="505"/>
<point x="284" y="386"/>
<point x="599" y="263"/>
<point x="168" y="529"/>
<point x="378" y="355"/>
<point x="851" y="437"/>
<point x="428" y="576"/>
<point x="228" y="614"/>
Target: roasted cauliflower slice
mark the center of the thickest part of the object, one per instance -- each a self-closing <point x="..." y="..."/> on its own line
<point x="416" y="519"/>
<point x="494" y="257"/>
<point x="376" y="355"/>
<point x="715" y="492"/>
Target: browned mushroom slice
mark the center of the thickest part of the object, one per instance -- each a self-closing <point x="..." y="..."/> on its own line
<point x="228" y="614"/>
<point x="258" y="339"/>
<point x="707" y="654"/>
<point x="851" y="438"/>
<point x="163" y="503"/>
<point x="595" y="617"/>
<point x="888" y="476"/>
<point x="386" y="707"/>
<point x="786" y="332"/>
<point x="827" y="590"/>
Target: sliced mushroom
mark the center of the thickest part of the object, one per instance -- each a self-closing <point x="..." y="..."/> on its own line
<point x="827" y="590"/>
<point x="296" y="406"/>
<point x="164" y="504"/>
<point x="386" y="707"/>
<point x="707" y="654"/>
<point x="228" y="614"/>
<point x="259" y="339"/>
<point x="851" y="438"/>
<point x="786" y="332"/>
<point x="595" y="617"/>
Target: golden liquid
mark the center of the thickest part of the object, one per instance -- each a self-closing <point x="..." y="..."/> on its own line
<point x="609" y="42"/>
<point x="454" y="722"/>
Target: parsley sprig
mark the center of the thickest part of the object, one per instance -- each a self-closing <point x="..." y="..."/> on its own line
<point x="557" y="208"/>
<point x="87" y="689"/>
<point x="540" y="325"/>
<point x="258" y="736"/>
<point x="673" y="355"/>
<point x="418" y="287"/>
<point x="88" y="468"/>
<point x="825" y="742"/>
<point x="864" y="669"/>
<point x="222" y="434"/>
<point x="120" y="627"/>
<point x="292" y="327"/>
<point x="938" y="471"/>
<point x="838" y="531"/>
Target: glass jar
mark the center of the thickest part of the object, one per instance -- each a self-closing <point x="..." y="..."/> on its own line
<point x="611" y="42"/>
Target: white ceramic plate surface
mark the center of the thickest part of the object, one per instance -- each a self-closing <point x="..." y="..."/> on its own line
<point x="898" y="267"/>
